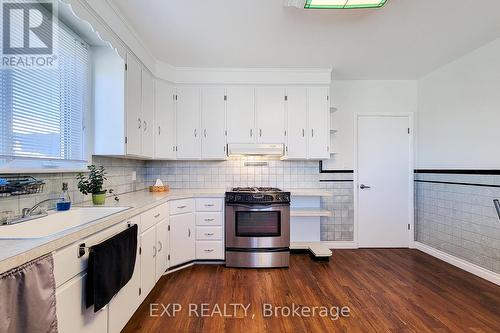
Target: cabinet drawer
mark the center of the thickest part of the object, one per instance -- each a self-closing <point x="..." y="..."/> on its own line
<point x="209" y="205"/>
<point x="153" y="216"/>
<point x="67" y="264"/>
<point x="208" y="233"/>
<point x="209" y="250"/>
<point x="181" y="206"/>
<point x="208" y="219"/>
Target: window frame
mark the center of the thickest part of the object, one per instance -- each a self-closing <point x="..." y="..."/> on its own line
<point x="34" y="165"/>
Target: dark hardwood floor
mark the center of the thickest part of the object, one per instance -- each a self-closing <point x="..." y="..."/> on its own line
<point x="386" y="291"/>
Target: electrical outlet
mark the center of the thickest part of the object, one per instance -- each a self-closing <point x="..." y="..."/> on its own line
<point x="134" y="175"/>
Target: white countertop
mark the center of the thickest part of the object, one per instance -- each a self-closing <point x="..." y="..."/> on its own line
<point x="14" y="253"/>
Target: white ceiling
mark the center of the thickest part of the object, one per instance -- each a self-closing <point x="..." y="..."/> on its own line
<point x="403" y="40"/>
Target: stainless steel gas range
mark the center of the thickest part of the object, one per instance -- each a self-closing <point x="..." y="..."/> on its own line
<point x="257" y="227"/>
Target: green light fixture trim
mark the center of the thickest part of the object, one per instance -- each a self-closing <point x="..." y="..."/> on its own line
<point x="343" y="4"/>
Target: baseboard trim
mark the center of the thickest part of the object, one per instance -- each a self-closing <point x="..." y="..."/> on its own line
<point x="460" y="263"/>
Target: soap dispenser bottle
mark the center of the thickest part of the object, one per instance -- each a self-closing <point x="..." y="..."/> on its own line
<point x="64" y="202"/>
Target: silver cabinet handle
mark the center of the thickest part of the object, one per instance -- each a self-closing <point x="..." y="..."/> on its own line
<point x="260" y="131"/>
<point x="303" y="132"/>
<point x="363" y="186"/>
<point x="209" y="233"/>
<point x="154" y="251"/>
<point x="251" y="132"/>
<point x="145" y="126"/>
<point x="209" y="220"/>
<point x="160" y="246"/>
<point x="157" y="216"/>
<point x="497" y="206"/>
<point x="205" y="132"/>
<point x="312" y="132"/>
<point x="210" y="250"/>
<point x="189" y="232"/>
<point x="159" y="130"/>
<point x="209" y="205"/>
<point x="195" y="133"/>
<point x="181" y="207"/>
<point x="140" y="122"/>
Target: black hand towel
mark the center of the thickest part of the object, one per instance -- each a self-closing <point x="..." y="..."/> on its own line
<point x="111" y="265"/>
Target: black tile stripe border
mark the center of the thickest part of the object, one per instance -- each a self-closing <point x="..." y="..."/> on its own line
<point x="460" y="171"/>
<point x="321" y="170"/>
<point x="456" y="183"/>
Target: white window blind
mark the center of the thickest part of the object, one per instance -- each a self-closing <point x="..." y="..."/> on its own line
<point x="43" y="110"/>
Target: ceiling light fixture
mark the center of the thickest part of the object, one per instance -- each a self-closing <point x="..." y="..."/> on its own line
<point x="343" y="4"/>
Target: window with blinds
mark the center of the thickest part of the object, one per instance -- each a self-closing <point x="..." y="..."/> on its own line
<point x="43" y="110"/>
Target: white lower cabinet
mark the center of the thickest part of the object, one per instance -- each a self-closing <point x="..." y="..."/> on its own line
<point x="169" y="235"/>
<point x="162" y="248"/>
<point x="182" y="238"/>
<point x="148" y="261"/>
<point x="72" y="314"/>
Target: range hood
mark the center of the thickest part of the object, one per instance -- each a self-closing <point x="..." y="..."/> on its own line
<point x="255" y="149"/>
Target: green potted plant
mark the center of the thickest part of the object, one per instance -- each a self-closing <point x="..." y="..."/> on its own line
<point x="92" y="184"/>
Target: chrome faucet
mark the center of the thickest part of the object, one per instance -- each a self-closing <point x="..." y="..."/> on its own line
<point x="26" y="212"/>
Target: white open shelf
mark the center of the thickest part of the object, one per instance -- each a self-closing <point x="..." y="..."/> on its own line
<point x="310" y="212"/>
<point x="310" y="193"/>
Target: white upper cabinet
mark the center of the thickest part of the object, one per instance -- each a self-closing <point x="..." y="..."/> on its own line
<point x="270" y="103"/>
<point x="123" y="106"/>
<point x="134" y="107"/>
<point x="297" y="137"/>
<point x="188" y="123"/>
<point x="213" y="120"/>
<point x="240" y="119"/>
<point x="164" y="120"/>
<point x="319" y="122"/>
<point x="148" y="115"/>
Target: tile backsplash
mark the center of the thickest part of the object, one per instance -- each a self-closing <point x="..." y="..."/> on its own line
<point x="459" y="219"/>
<point x="119" y="177"/>
<point x="275" y="173"/>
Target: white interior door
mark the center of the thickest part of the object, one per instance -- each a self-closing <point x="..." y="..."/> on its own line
<point x="383" y="181"/>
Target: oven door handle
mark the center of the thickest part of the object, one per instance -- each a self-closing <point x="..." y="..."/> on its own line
<point x="260" y="206"/>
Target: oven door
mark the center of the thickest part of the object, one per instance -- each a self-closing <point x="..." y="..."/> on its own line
<point x="257" y="226"/>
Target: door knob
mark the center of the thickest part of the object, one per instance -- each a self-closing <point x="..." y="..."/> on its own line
<point x="363" y="186"/>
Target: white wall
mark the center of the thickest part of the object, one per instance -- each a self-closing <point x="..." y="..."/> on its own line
<point x="459" y="113"/>
<point x="360" y="96"/>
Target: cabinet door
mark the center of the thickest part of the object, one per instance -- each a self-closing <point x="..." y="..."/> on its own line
<point x="182" y="238"/>
<point x="270" y="114"/>
<point x="148" y="117"/>
<point x="319" y="123"/>
<point x="133" y="107"/>
<point x="163" y="247"/>
<point x="165" y="120"/>
<point x="213" y="116"/>
<point x="297" y="123"/>
<point x="188" y="123"/>
<point x="72" y="314"/>
<point x="148" y="268"/>
<point x="123" y="305"/>
<point x="240" y="110"/>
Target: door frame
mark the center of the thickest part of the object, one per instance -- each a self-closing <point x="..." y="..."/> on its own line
<point x="411" y="178"/>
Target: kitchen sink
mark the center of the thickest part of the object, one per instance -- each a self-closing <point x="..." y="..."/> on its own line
<point x="56" y="222"/>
